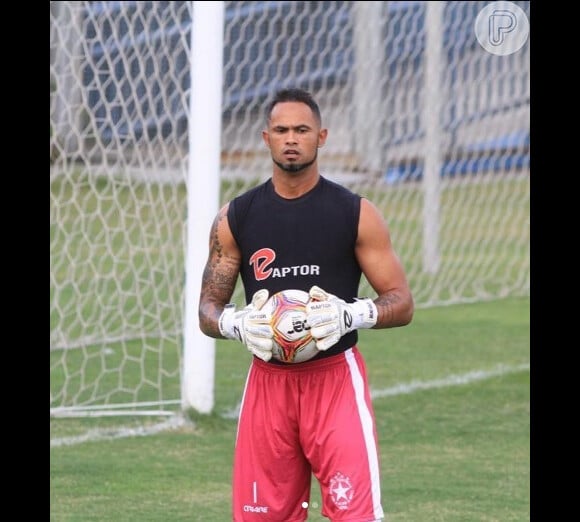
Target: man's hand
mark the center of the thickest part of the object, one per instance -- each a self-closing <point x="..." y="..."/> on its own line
<point x="250" y="326"/>
<point x="330" y="317"/>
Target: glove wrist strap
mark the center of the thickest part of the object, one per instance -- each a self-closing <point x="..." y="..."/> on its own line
<point x="226" y="322"/>
<point x="365" y="313"/>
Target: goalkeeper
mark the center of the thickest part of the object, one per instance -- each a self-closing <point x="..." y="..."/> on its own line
<point x="301" y="230"/>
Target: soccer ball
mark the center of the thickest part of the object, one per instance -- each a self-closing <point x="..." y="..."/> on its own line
<point x="292" y="340"/>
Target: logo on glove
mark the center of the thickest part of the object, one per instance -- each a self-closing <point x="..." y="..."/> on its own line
<point x="347" y="319"/>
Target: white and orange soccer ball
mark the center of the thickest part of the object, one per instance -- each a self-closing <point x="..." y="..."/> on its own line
<point x="292" y="340"/>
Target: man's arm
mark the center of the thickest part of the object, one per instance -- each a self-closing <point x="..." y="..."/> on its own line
<point x="219" y="275"/>
<point x="331" y="318"/>
<point x="217" y="317"/>
<point x="383" y="269"/>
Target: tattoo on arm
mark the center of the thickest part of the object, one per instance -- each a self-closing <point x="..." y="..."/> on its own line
<point x="386" y="307"/>
<point x="218" y="281"/>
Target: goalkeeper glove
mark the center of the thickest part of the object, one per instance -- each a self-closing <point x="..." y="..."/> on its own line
<point x="250" y="326"/>
<point x="330" y="317"/>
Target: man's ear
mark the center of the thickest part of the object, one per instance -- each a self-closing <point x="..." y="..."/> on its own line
<point x="266" y="138"/>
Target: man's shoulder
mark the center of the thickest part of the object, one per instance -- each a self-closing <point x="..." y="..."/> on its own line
<point x="336" y="187"/>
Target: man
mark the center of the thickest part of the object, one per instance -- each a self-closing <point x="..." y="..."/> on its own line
<point x="313" y="417"/>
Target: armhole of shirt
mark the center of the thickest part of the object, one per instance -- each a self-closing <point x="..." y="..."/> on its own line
<point x="232" y="220"/>
<point x="357" y="210"/>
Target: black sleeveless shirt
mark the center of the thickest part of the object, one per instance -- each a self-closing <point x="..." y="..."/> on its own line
<point x="297" y="243"/>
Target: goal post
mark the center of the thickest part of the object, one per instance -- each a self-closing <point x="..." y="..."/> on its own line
<point x="156" y="113"/>
<point x="203" y="184"/>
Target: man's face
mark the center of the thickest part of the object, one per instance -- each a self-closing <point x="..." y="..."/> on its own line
<point x="293" y="136"/>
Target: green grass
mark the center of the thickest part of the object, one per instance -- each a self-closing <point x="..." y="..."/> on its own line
<point x="449" y="452"/>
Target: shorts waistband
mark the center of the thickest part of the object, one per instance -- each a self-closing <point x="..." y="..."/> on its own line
<point x="307" y="366"/>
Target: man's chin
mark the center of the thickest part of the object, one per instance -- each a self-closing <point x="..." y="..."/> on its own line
<point x="294" y="167"/>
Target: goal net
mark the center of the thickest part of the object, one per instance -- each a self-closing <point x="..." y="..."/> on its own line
<point x="424" y="120"/>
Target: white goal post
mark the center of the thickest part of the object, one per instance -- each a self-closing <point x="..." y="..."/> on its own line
<point x="156" y="110"/>
<point x="205" y="115"/>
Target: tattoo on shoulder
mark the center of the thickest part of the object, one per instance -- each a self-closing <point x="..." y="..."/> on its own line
<point x="215" y="244"/>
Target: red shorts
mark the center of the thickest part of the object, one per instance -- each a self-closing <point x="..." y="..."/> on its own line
<point x="313" y="418"/>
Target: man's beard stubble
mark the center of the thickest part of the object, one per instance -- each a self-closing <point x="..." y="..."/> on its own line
<point x="295" y="167"/>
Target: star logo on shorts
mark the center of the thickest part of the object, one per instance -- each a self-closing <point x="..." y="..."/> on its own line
<point x="341" y="490"/>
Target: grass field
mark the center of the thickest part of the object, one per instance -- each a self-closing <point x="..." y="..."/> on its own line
<point x="452" y="401"/>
